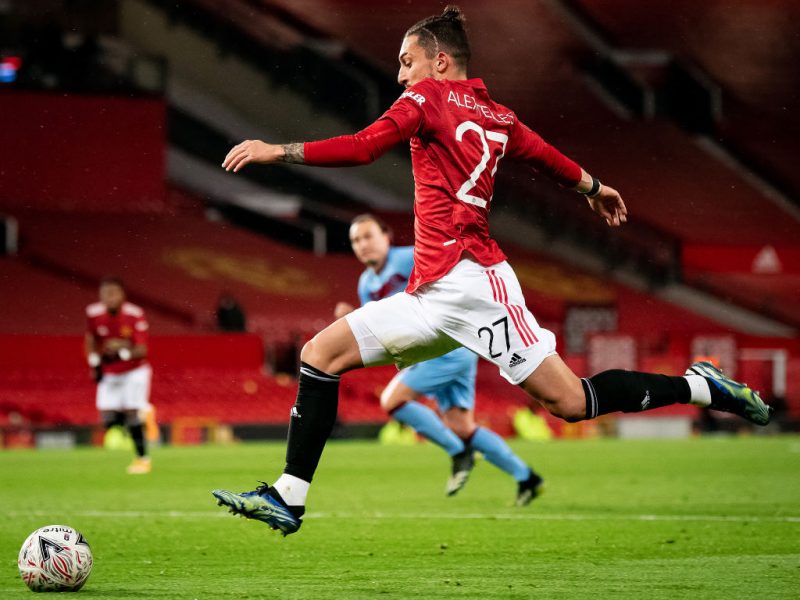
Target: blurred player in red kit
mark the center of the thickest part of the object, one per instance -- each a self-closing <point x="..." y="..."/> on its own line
<point x="462" y="290"/>
<point x="116" y="351"/>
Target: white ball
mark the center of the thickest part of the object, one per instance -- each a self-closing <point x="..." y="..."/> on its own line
<point x="55" y="558"/>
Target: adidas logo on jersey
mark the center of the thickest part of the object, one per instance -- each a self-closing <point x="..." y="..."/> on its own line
<point x="516" y="360"/>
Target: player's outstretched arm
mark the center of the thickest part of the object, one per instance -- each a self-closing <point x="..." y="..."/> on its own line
<point x="396" y="125"/>
<point x="256" y="151"/>
<point x="527" y="145"/>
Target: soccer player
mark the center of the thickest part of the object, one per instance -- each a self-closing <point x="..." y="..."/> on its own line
<point x="116" y="351"/>
<point x="461" y="292"/>
<point x="449" y="378"/>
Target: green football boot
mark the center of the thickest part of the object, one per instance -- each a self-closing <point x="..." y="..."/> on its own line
<point x="735" y="397"/>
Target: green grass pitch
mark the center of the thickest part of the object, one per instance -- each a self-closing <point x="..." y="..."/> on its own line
<point x="702" y="518"/>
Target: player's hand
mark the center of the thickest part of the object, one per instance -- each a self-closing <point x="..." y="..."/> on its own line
<point x="609" y="205"/>
<point x="342" y="309"/>
<point x="251" y="151"/>
<point x="113" y="344"/>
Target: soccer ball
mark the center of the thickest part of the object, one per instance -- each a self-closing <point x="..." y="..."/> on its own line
<point x="55" y="558"/>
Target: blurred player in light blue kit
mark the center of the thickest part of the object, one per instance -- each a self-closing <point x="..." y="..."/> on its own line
<point x="450" y="378"/>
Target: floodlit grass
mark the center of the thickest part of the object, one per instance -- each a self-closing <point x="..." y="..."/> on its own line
<point x="703" y="518"/>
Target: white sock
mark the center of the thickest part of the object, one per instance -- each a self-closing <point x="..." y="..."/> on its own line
<point x="701" y="394"/>
<point x="292" y="489"/>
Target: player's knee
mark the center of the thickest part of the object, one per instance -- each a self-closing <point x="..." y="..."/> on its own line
<point x="330" y="353"/>
<point x="462" y="430"/>
<point x="460" y="422"/>
<point x="311" y="355"/>
<point x="388" y="401"/>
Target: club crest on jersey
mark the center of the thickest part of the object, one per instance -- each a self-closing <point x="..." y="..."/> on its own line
<point x="416" y="97"/>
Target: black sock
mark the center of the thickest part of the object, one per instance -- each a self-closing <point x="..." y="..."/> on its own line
<point x="137" y="435"/>
<point x="632" y="391"/>
<point x="312" y="419"/>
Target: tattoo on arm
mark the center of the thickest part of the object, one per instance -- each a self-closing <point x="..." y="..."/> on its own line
<point x="293" y="153"/>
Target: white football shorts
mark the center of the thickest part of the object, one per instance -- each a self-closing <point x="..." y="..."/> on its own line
<point x="125" y="391"/>
<point x="481" y="308"/>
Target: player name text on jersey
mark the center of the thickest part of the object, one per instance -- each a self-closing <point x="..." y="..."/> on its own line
<point x="470" y="103"/>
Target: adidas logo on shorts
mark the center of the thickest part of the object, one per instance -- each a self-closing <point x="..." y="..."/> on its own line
<point x="516" y="360"/>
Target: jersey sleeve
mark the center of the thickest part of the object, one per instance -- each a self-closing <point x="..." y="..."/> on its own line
<point x="361" y="148"/>
<point x="527" y="145"/>
<point x="404" y="119"/>
<point x="415" y="108"/>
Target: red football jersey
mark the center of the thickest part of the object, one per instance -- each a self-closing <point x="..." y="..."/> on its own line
<point x="129" y="323"/>
<point x="458" y="137"/>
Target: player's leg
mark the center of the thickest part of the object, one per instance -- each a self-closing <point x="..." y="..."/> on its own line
<point x="486" y="313"/>
<point x="323" y="359"/>
<point x="399" y="399"/>
<point x="136" y="400"/>
<point x="496" y="451"/>
<point x="347" y="344"/>
<point x="112" y="418"/>
<point x="109" y="404"/>
<point x="331" y="352"/>
<point x="111" y="401"/>
<point x="450" y="379"/>
<point x="487" y="442"/>
<point x="559" y="390"/>
<point x="136" y="428"/>
<point x="428" y="424"/>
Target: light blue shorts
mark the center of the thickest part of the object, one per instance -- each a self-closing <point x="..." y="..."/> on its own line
<point x="450" y="379"/>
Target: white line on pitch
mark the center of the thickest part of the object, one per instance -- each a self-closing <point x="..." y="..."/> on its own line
<point x="175" y="514"/>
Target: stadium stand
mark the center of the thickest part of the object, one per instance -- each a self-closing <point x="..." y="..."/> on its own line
<point x="78" y="223"/>
<point x="753" y="130"/>
<point x="751" y="52"/>
<point x="675" y="187"/>
<point x="109" y="151"/>
<point x="672" y="183"/>
<point x="183" y="276"/>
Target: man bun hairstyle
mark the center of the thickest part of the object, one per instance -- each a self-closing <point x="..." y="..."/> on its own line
<point x="444" y="33"/>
